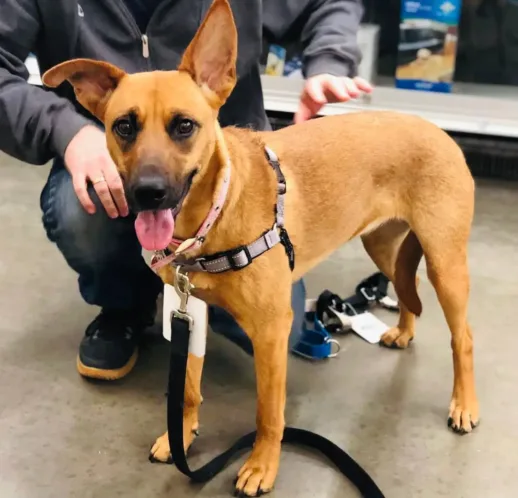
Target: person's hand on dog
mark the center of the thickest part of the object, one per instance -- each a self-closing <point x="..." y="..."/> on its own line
<point x="328" y="89"/>
<point x="88" y="160"/>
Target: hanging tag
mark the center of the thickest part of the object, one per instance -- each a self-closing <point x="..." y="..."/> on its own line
<point x="368" y="327"/>
<point x="197" y="309"/>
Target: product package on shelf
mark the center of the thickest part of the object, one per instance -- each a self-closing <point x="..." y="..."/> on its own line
<point x="428" y="35"/>
<point x="286" y="60"/>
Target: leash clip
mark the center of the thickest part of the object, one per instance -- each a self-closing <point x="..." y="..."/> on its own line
<point x="183" y="287"/>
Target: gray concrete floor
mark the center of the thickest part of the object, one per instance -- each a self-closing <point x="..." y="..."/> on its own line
<point x="63" y="437"/>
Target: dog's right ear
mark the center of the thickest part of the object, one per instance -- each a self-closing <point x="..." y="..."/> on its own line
<point x="93" y="82"/>
<point x="210" y="58"/>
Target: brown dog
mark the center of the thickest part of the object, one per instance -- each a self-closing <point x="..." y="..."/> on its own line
<point x="397" y="181"/>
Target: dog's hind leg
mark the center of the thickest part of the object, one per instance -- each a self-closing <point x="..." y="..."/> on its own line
<point x="397" y="252"/>
<point x="160" y="452"/>
<point x="448" y="272"/>
<point x="443" y="230"/>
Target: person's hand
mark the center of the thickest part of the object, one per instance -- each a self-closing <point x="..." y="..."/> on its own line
<point x="328" y="89"/>
<point x="88" y="160"/>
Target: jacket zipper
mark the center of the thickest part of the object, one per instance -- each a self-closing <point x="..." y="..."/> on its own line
<point x="145" y="47"/>
<point x="144" y="40"/>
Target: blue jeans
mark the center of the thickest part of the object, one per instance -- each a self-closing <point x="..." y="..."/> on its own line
<point x="107" y="256"/>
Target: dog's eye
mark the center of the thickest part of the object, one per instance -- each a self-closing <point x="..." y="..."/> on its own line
<point x="182" y="128"/>
<point x="185" y="127"/>
<point x="124" y="128"/>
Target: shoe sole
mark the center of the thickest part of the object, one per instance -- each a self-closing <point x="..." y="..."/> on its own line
<point x="105" y="374"/>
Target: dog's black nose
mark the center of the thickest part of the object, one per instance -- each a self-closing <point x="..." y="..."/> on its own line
<point x="149" y="192"/>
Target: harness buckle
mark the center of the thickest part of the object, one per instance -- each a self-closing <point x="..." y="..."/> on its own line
<point x="234" y="252"/>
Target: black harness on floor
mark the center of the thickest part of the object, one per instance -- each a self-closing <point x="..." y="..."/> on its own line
<point x="181" y="326"/>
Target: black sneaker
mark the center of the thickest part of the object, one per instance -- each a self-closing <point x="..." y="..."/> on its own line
<point x="109" y="349"/>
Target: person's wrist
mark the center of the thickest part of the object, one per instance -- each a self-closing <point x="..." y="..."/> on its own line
<point x="329" y="64"/>
<point x="66" y="128"/>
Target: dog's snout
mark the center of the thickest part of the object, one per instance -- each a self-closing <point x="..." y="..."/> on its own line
<point x="149" y="192"/>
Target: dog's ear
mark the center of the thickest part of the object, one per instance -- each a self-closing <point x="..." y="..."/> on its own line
<point x="210" y="58"/>
<point x="93" y="82"/>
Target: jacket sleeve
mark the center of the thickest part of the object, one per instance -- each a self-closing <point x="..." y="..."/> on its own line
<point x="35" y="124"/>
<point x="328" y="31"/>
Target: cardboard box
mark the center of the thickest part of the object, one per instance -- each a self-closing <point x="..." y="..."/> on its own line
<point x="428" y="36"/>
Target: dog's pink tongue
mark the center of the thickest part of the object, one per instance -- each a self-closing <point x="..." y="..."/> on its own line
<point x="155" y="229"/>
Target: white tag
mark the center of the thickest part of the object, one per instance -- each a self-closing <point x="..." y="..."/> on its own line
<point x="345" y="320"/>
<point x="197" y="309"/>
<point x="369" y="327"/>
<point x="311" y="305"/>
<point x="389" y="303"/>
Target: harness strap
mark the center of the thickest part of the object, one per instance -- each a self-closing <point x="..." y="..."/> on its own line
<point x="281" y="186"/>
<point x="279" y="206"/>
<point x="235" y="259"/>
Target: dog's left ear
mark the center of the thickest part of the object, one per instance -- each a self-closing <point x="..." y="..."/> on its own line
<point x="93" y="82"/>
<point x="210" y="58"/>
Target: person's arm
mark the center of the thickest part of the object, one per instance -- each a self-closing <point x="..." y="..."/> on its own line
<point x="327" y="29"/>
<point x="35" y="125"/>
<point x="329" y="38"/>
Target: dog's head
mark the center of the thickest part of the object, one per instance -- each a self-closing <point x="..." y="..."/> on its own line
<point x="160" y="126"/>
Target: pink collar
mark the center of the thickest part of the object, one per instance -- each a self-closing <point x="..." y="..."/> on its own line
<point x="161" y="259"/>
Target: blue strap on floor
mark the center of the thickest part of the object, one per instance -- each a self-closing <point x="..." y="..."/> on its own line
<point x="316" y="343"/>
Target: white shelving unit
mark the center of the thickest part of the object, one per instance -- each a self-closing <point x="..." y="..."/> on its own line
<point x="471" y="111"/>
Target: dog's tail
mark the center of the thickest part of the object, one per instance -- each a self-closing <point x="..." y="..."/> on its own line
<point x="405" y="279"/>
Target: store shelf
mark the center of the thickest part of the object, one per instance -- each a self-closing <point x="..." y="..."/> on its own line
<point x="475" y="113"/>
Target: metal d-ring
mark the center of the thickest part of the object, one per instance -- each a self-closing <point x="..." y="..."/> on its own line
<point x="338" y="347"/>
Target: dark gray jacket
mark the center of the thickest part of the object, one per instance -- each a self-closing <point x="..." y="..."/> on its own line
<point x="37" y="124"/>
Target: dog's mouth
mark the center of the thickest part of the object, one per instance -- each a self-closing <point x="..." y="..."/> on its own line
<point x="155" y="228"/>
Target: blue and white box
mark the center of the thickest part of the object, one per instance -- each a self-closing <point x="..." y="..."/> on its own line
<point x="428" y="35"/>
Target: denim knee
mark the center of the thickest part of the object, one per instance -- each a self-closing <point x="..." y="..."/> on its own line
<point x="222" y="323"/>
<point x="85" y="240"/>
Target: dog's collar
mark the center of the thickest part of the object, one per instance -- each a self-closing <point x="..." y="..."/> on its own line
<point x="162" y="258"/>
<point x="242" y="256"/>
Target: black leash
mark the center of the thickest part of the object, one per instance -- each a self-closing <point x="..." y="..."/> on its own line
<point x="181" y="325"/>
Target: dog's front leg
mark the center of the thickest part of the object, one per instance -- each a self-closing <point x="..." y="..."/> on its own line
<point x="192" y="400"/>
<point x="270" y="341"/>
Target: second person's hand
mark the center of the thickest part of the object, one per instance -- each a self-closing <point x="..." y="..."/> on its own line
<point x="88" y="160"/>
<point x="327" y="89"/>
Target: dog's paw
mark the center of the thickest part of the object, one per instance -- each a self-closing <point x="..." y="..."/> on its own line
<point x="463" y="419"/>
<point x="161" y="451"/>
<point x="258" y="474"/>
<point x="395" y="338"/>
